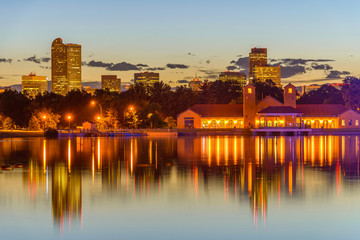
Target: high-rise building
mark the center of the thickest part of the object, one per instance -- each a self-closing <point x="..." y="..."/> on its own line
<point x="33" y="85"/>
<point x="147" y="78"/>
<point x="111" y="83"/>
<point x="65" y="67"/>
<point x="257" y="57"/>
<point x="263" y="73"/>
<point x="238" y="77"/>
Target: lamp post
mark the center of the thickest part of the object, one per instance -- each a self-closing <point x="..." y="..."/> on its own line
<point x="69" y="118"/>
<point x="44" y="119"/>
<point x="93" y="103"/>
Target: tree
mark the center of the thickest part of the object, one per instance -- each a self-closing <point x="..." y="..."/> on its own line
<point x="112" y="118"/>
<point x="268" y="88"/>
<point x="34" y="123"/>
<point x="326" y="94"/>
<point x="351" y="92"/>
<point x="8" y="123"/>
<point x="131" y="119"/>
<point x="45" y="118"/>
<point x="170" y="122"/>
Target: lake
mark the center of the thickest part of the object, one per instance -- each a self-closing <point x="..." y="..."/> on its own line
<point x="211" y="187"/>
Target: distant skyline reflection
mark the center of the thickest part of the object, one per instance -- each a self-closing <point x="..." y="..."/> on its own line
<point x="186" y="187"/>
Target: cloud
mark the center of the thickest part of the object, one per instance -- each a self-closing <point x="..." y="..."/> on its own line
<point x="182" y="81"/>
<point x="45" y="67"/>
<point x="316" y="66"/>
<point x="208" y="61"/>
<point x="290" y="71"/>
<point x="191" y="54"/>
<point x="93" y="63"/>
<point x="141" y="65"/>
<point x="123" y="66"/>
<point x="173" y="66"/>
<point x="37" y="60"/>
<point x="337" y="74"/>
<point x="242" y="63"/>
<point x="231" y="68"/>
<point x="289" y="66"/>
<point x="155" y="69"/>
<point x="298" y="61"/>
<point x="4" y="60"/>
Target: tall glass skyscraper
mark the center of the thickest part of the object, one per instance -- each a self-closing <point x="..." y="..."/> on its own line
<point x="65" y="67"/>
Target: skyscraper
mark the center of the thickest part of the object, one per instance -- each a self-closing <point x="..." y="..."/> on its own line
<point x="65" y="67"/>
<point x="111" y="83"/>
<point x="257" y="57"/>
<point x="259" y="70"/>
<point x="238" y="77"/>
<point x="263" y="73"/>
<point x="147" y="78"/>
<point x="33" y="85"/>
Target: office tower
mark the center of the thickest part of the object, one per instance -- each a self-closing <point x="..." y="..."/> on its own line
<point x="263" y="73"/>
<point x="65" y="67"/>
<point x="33" y="85"/>
<point x="110" y="83"/>
<point x="238" y="77"/>
<point x="257" y="57"/>
<point x="147" y="78"/>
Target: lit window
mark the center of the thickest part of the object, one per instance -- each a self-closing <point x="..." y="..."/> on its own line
<point x="357" y="122"/>
<point x="290" y="90"/>
<point x="249" y="90"/>
<point x="343" y="122"/>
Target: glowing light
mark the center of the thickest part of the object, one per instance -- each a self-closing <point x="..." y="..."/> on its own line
<point x="69" y="117"/>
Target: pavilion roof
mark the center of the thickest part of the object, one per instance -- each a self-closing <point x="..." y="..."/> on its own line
<point x="317" y="110"/>
<point x="286" y="110"/>
<point x="218" y="110"/>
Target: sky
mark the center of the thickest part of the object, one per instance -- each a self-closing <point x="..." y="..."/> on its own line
<point x="313" y="41"/>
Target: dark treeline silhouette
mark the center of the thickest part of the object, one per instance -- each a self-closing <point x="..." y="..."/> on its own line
<point x="153" y="106"/>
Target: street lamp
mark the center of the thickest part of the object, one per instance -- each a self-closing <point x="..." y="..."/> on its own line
<point x="44" y="119"/>
<point x="94" y="102"/>
<point x="69" y="118"/>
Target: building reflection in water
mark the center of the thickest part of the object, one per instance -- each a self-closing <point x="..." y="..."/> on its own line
<point x="140" y="169"/>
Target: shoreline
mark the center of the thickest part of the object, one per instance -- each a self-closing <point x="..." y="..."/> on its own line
<point x="175" y="133"/>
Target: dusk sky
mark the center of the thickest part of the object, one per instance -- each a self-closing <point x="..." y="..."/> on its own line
<point x="314" y="41"/>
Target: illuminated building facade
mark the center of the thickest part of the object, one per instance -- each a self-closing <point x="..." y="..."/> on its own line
<point x="263" y="73"/>
<point x="33" y="85"/>
<point x="268" y="113"/>
<point x="238" y="77"/>
<point x="257" y="57"/>
<point x="65" y="67"/>
<point x="146" y="78"/>
<point x="111" y="83"/>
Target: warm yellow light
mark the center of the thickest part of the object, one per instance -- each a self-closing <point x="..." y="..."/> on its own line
<point x="44" y="117"/>
<point x="98" y="117"/>
<point x="93" y="102"/>
<point x="69" y="117"/>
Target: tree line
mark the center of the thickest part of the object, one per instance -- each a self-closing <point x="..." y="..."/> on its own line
<point x="141" y="106"/>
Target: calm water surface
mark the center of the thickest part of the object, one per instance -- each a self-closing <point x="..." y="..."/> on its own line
<point x="180" y="188"/>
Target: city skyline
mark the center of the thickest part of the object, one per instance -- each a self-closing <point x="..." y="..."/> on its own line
<point x="202" y="42"/>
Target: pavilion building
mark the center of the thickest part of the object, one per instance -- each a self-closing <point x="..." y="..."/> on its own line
<point x="268" y="113"/>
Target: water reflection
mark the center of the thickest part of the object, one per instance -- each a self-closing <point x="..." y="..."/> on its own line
<point x="251" y="170"/>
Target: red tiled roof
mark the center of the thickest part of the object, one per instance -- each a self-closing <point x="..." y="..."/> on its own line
<point x="280" y="110"/>
<point x="314" y="110"/>
<point x="218" y="110"/>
